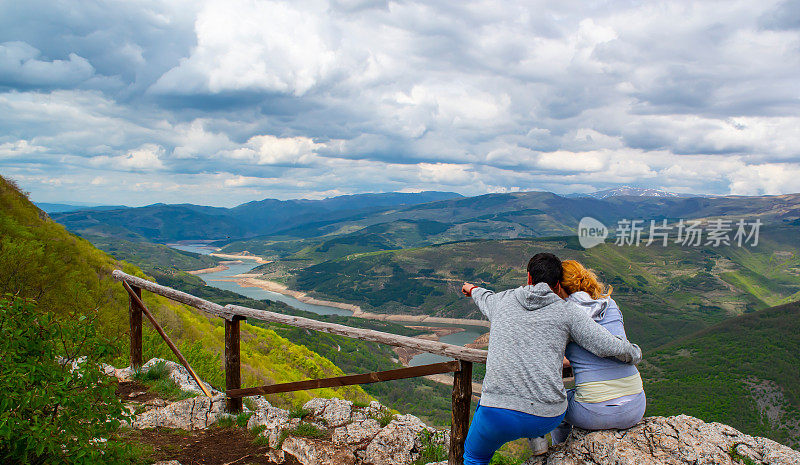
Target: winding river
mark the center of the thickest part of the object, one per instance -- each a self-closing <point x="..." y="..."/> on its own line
<point x="217" y="279"/>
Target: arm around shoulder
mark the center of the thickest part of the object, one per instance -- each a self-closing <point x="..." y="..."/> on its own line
<point x="596" y="339"/>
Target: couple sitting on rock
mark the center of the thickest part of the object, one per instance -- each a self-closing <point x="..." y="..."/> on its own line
<point x="562" y="310"/>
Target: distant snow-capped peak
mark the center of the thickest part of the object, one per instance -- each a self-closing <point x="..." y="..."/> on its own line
<point x="632" y="192"/>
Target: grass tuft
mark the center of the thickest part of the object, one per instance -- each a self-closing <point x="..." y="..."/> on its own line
<point x="298" y="412"/>
<point x="230" y="421"/>
<point x="430" y="451"/>
<point x="736" y="456"/>
<point x="156" y="372"/>
<point x="307" y="430"/>
<point x="383" y="417"/>
<point x="157" y="380"/>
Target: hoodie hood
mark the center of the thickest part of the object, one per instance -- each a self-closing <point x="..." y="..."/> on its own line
<point x="535" y="297"/>
<point x="594" y="308"/>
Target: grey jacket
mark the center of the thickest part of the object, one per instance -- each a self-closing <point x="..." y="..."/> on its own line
<point x="531" y="327"/>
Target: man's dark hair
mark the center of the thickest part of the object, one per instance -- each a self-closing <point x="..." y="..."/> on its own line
<point x="545" y="268"/>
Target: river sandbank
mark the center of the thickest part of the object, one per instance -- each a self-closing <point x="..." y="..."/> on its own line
<point x="421" y="319"/>
<point x="246" y="280"/>
<point x="241" y="256"/>
<point x="209" y="270"/>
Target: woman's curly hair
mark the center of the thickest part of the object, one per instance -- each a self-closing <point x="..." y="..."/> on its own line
<point x="577" y="278"/>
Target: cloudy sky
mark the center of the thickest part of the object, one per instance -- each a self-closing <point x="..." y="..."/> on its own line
<point x="221" y="102"/>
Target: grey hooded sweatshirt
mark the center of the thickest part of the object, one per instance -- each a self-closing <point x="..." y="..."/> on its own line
<point x="530" y="329"/>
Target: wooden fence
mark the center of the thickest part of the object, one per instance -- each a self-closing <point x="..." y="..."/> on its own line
<point x="461" y="367"/>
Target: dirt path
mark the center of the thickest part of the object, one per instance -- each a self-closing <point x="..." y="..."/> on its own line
<point x="447" y="379"/>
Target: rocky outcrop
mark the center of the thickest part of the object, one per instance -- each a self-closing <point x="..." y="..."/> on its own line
<point x="332" y="412"/>
<point x="189" y="414"/>
<point x="314" y="452"/>
<point x="272" y="422"/>
<point x="356" y="432"/>
<point x="399" y="442"/>
<point x="350" y="435"/>
<point x="678" y="440"/>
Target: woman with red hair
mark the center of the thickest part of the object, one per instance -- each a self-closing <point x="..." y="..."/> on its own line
<point x="608" y="393"/>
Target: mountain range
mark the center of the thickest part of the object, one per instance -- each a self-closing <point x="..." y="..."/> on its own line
<point x="164" y="223"/>
<point x="402" y="220"/>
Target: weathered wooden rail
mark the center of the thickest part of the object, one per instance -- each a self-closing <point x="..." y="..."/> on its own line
<point x="461" y="367"/>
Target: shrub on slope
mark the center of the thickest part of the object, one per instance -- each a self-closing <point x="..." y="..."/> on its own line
<point x="50" y="413"/>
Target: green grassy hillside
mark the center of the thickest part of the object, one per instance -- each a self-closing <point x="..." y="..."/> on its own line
<point x="744" y="372"/>
<point x="69" y="277"/>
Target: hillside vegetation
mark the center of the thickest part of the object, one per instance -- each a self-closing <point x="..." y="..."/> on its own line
<point x="744" y="372"/>
<point x="70" y="278"/>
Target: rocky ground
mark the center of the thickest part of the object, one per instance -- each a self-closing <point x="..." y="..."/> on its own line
<point x="677" y="440"/>
<point x="324" y="431"/>
<point x="337" y="432"/>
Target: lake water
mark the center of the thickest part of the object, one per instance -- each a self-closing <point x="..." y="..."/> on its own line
<point x="212" y="279"/>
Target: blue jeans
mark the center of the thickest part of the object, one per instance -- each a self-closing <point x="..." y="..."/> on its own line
<point x="620" y="413"/>
<point x="492" y="427"/>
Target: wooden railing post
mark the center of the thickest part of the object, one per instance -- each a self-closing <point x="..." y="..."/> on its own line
<point x="233" y="375"/>
<point x="135" y="315"/>
<point x="462" y="397"/>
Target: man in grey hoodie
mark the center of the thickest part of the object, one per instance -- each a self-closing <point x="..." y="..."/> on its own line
<point x="523" y="394"/>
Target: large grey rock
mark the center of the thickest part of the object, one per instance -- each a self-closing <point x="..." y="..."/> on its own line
<point x="258" y="403"/>
<point x="394" y="444"/>
<point x="274" y="420"/>
<point x="355" y="433"/>
<point x="315" y="452"/>
<point x="678" y="440"/>
<point x="333" y="412"/>
<point x="188" y="414"/>
<point x="316" y="405"/>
